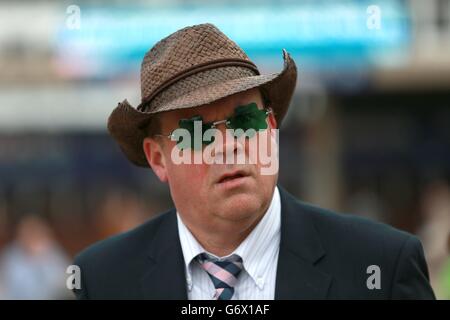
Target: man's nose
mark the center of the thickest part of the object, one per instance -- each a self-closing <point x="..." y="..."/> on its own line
<point x="231" y="147"/>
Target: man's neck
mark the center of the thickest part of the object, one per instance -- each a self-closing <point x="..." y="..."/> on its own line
<point x="222" y="244"/>
<point x="224" y="236"/>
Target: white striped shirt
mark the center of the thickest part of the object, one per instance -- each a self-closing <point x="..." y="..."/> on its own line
<point x="259" y="252"/>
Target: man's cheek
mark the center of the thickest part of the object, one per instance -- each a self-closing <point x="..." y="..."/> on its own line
<point x="194" y="174"/>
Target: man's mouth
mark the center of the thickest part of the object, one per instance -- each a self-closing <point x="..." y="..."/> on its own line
<point x="232" y="176"/>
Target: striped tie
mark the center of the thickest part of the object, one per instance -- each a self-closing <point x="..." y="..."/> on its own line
<point x="223" y="273"/>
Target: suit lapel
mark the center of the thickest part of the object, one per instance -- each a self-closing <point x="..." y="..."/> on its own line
<point x="165" y="279"/>
<point x="300" y="249"/>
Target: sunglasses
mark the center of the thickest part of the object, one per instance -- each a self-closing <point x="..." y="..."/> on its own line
<point x="246" y="119"/>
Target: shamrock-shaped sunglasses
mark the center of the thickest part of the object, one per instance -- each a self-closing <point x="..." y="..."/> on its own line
<point x="244" y="118"/>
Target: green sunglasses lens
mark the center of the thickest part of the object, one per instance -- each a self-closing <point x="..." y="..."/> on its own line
<point x="189" y="125"/>
<point x="248" y="117"/>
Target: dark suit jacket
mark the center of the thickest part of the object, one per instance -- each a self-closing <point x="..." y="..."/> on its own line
<point x="323" y="255"/>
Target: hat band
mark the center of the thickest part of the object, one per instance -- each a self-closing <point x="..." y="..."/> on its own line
<point x="196" y="69"/>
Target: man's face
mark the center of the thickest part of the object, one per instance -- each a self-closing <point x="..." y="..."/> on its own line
<point x="214" y="195"/>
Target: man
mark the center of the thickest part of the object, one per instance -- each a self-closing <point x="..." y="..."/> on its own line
<point x="233" y="234"/>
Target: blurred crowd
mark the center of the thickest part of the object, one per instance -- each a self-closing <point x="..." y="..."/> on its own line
<point x="435" y="235"/>
<point x="36" y="251"/>
<point x="33" y="263"/>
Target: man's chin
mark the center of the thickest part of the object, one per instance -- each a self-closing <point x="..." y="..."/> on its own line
<point x="239" y="206"/>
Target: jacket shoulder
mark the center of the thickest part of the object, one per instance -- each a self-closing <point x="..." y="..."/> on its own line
<point x="339" y="228"/>
<point x="111" y="268"/>
<point x="343" y="226"/>
<point x="356" y="245"/>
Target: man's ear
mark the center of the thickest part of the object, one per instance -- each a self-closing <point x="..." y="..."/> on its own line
<point x="155" y="157"/>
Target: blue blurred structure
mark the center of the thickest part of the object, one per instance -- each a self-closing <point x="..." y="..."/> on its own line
<point x="321" y="35"/>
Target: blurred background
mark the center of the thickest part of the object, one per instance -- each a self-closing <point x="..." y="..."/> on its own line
<point x="368" y="132"/>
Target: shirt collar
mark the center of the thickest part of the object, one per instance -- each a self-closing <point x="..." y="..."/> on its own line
<point x="251" y="250"/>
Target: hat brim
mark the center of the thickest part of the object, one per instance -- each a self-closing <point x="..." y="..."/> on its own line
<point x="126" y="123"/>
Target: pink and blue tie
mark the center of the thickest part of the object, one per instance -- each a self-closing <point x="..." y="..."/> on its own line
<point x="223" y="273"/>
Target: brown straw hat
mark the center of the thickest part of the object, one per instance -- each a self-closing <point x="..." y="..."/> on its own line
<point x="194" y="66"/>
